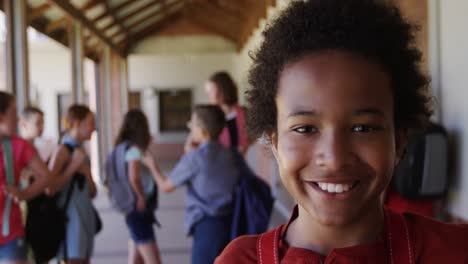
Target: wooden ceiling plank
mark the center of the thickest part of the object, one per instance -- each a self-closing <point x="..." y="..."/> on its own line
<point x="140" y="9"/>
<point x="117" y="20"/>
<point x="115" y="10"/>
<point x="76" y="14"/>
<point x="54" y="25"/>
<point x="91" y="4"/>
<point x="152" y="29"/>
<point x="231" y="9"/>
<point x="213" y="27"/>
<point x="38" y="11"/>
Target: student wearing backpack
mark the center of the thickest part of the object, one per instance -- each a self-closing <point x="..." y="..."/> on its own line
<point x="79" y="187"/>
<point x="209" y="171"/>
<point x="222" y="91"/>
<point x="16" y="154"/>
<point x="336" y="87"/>
<point x="135" y="134"/>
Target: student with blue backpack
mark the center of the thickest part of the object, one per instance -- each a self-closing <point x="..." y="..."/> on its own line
<point x="210" y="173"/>
<point x="134" y="191"/>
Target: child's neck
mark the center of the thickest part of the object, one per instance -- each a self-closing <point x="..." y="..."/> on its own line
<point x="307" y="233"/>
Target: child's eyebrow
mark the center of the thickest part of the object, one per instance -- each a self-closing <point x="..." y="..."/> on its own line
<point x="303" y="113"/>
<point x="369" y="111"/>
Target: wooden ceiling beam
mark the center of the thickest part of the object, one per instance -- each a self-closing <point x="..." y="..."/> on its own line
<point x="77" y="15"/>
<point x="115" y="10"/>
<point x="161" y="11"/>
<point x="140" y="9"/>
<point x="91" y="4"/>
<point x="38" y="11"/>
<point x="116" y="18"/>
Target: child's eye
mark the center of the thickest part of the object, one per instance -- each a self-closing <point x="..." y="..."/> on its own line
<point x="365" y="128"/>
<point x="305" y="129"/>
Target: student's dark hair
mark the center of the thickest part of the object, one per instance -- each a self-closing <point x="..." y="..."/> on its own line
<point x="373" y="29"/>
<point x="211" y="118"/>
<point x="226" y="86"/>
<point x="29" y="111"/>
<point x="135" y="130"/>
<point x="5" y="101"/>
<point x="75" y="112"/>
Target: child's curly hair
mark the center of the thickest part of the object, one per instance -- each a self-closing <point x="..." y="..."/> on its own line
<point x="373" y="29"/>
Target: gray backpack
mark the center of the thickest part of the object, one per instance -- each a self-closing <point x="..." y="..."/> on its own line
<point x="121" y="195"/>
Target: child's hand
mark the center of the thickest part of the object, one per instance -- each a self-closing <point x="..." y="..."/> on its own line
<point x="78" y="157"/>
<point x="14" y="193"/>
<point x="141" y="204"/>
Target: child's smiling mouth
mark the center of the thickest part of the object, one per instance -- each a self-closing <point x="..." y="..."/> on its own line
<point x="334" y="188"/>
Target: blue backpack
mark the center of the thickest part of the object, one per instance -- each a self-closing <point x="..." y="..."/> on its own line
<point x="253" y="202"/>
<point x="121" y="195"/>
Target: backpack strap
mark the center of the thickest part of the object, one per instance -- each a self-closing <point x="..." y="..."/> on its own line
<point x="10" y="180"/>
<point x="400" y="247"/>
<point x="68" y="195"/>
<point x="268" y="246"/>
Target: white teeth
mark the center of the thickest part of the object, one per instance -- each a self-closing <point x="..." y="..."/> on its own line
<point x="339" y="188"/>
<point x="346" y="187"/>
<point x="323" y="186"/>
<point x="334" y="188"/>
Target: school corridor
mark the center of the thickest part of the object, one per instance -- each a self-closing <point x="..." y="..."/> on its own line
<point x="158" y="55"/>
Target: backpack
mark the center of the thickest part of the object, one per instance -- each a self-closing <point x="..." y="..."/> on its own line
<point x="46" y="226"/>
<point x="253" y="202"/>
<point x="423" y="171"/>
<point x="121" y="194"/>
<point x="46" y="222"/>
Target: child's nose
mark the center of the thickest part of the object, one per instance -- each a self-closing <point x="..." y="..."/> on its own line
<point x="333" y="151"/>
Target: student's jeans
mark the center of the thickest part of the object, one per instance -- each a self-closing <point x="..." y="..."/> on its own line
<point x="210" y="236"/>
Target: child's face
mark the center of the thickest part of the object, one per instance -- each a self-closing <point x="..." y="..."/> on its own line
<point x="213" y="93"/>
<point x="335" y="132"/>
<point x="196" y="130"/>
<point x="9" y="121"/>
<point x="86" y="127"/>
<point x="33" y="126"/>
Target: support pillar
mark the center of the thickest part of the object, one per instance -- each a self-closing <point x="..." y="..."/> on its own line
<point x="17" y="51"/>
<point x="77" y="56"/>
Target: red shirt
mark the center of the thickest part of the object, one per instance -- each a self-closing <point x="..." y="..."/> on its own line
<point x="431" y="242"/>
<point x="243" y="140"/>
<point x="398" y="204"/>
<point x="22" y="154"/>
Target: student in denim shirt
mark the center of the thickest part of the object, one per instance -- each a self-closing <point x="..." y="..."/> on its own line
<point x="210" y="174"/>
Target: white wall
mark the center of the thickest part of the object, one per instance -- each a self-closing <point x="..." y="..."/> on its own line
<point x="147" y="72"/>
<point x="453" y="41"/>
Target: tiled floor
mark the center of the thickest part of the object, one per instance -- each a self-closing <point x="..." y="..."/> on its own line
<point x="111" y="243"/>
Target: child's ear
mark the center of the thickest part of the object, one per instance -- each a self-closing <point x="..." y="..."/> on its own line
<point x="273" y="138"/>
<point x="401" y="139"/>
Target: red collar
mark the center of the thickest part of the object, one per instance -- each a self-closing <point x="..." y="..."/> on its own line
<point x="398" y="244"/>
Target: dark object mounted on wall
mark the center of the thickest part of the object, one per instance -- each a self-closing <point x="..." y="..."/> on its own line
<point x="423" y="171"/>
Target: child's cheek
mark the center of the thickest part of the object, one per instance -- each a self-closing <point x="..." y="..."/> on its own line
<point x="294" y="156"/>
